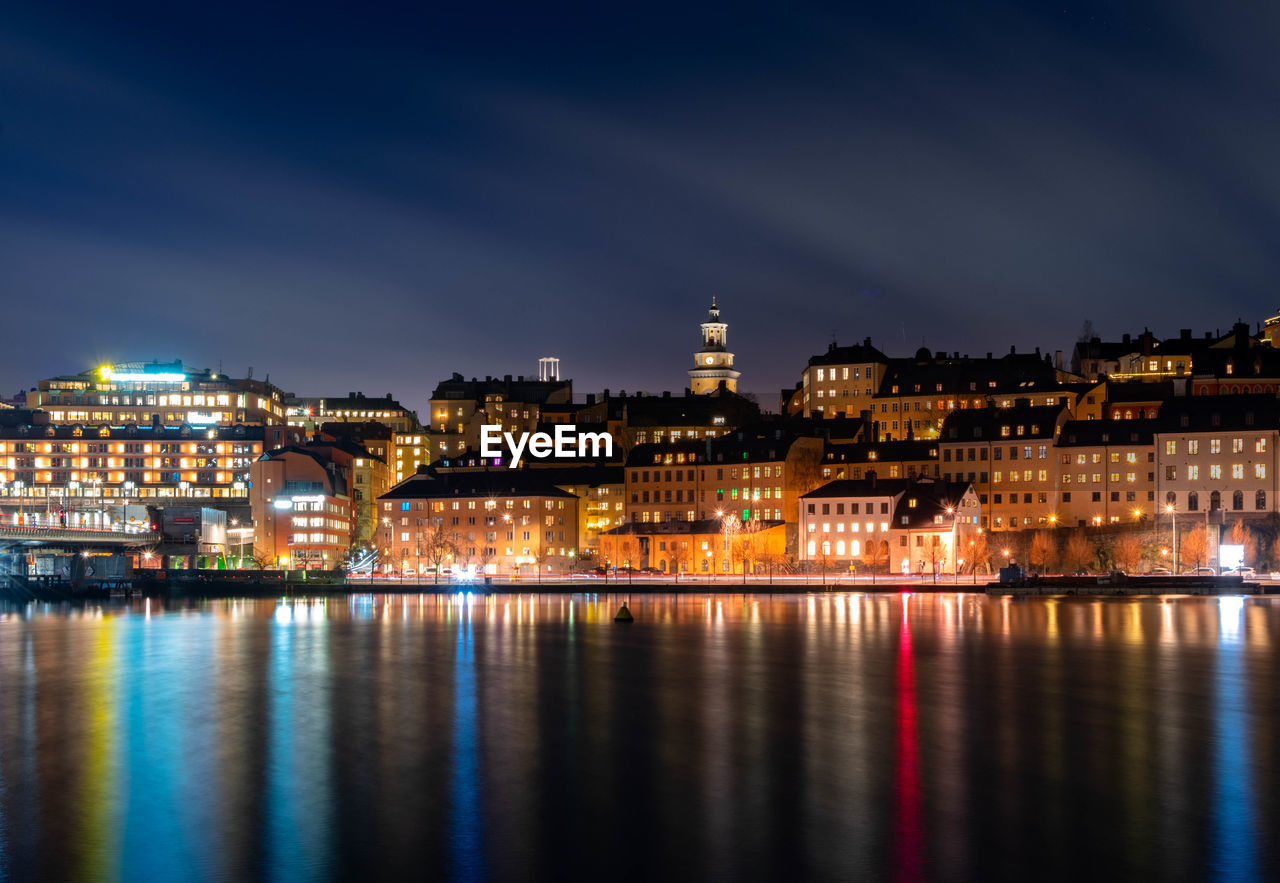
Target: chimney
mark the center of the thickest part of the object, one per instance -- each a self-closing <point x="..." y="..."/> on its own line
<point x="988" y="355"/>
<point x="1057" y="359"/>
<point x="866" y="342"/>
<point x="1013" y="350"/>
<point x="1037" y="352"/>
<point x="1184" y="334"/>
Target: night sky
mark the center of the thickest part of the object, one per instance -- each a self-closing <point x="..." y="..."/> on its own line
<point x="348" y="198"/>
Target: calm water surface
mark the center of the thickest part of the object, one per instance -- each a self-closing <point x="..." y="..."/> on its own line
<point x="746" y="737"/>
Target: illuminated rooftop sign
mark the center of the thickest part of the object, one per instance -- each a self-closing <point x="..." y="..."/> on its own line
<point x="107" y="373"/>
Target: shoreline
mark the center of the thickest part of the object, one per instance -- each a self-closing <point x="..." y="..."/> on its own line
<point x="214" y="589"/>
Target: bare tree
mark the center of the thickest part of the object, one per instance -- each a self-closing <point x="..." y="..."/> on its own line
<point x="749" y="544"/>
<point x="438" y="544"/>
<point x="1127" y="552"/>
<point x="730" y="526"/>
<point x="935" y="555"/>
<point x="875" y="554"/>
<point x="1079" y="553"/>
<point x="980" y="550"/>
<point x="1194" y="547"/>
<point x="1043" y="551"/>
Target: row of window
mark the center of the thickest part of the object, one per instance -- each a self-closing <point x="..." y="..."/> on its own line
<point x="1215" y="446"/>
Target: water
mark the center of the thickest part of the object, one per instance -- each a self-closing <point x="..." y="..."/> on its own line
<point x="508" y="737"/>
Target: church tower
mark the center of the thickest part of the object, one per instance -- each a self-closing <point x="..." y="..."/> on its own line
<point x="713" y="363"/>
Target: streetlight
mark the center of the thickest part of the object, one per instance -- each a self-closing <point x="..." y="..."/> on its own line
<point x="1173" y="526"/>
<point x="19" y="485"/>
<point x="955" y="562"/>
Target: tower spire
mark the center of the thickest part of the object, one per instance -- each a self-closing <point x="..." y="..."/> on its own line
<point x="713" y="363"/>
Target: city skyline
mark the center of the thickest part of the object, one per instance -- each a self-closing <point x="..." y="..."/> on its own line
<point x="416" y="393"/>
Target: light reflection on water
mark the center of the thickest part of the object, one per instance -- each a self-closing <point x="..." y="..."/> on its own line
<point x="830" y="736"/>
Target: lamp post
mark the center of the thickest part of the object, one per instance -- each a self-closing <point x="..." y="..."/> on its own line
<point x="19" y="485"/>
<point x="1173" y="526"/>
<point x="955" y="561"/>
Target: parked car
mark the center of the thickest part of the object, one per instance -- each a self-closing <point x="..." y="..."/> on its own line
<point x="1160" y="571"/>
<point x="1205" y="571"/>
<point x="1244" y="570"/>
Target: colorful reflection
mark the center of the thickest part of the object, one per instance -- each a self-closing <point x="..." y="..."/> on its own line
<point x="826" y="736"/>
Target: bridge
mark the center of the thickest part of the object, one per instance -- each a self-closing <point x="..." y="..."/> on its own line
<point x="11" y="533"/>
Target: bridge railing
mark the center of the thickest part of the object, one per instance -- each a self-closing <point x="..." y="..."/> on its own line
<point x="77" y="534"/>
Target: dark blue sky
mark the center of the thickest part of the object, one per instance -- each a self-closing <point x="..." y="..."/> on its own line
<point x="358" y="198"/>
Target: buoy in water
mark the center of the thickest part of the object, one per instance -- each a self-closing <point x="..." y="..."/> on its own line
<point x="624" y="615"/>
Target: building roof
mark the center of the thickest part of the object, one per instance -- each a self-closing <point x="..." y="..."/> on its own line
<point x="859" y="353"/>
<point x="428" y="483"/>
<point x="987" y="424"/>
<point x="1243" y="362"/>
<point x="921" y="501"/>
<point x="887" y="451"/>
<point x="874" y="486"/>
<point x="23" y="423"/>
<point x="1092" y="433"/>
<point x="719" y="407"/>
<point x="1221" y="412"/>
<point x="1138" y="391"/>
<point x="939" y="374"/>
<point x="528" y="390"/>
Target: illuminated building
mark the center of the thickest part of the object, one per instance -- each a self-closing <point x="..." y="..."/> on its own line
<point x="370" y="446"/>
<point x="699" y="547"/>
<point x="713" y="363"/>
<point x="639" y="418"/>
<point x="1271" y="331"/>
<point x="598" y="485"/>
<point x="1132" y="400"/>
<point x="1141" y="359"/>
<point x="891" y="459"/>
<point x="459" y="408"/>
<point x="1106" y="472"/>
<point x="303" y="511"/>
<point x="756" y="471"/>
<point x="499" y="521"/>
<point x="356" y="407"/>
<point x="45" y="466"/>
<point x="1237" y="365"/>
<point x="917" y="394"/>
<point x="157" y="393"/>
<point x="840" y="382"/>
<point x="1008" y="455"/>
<point x="895" y="525"/>
<point x="1217" y="454"/>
